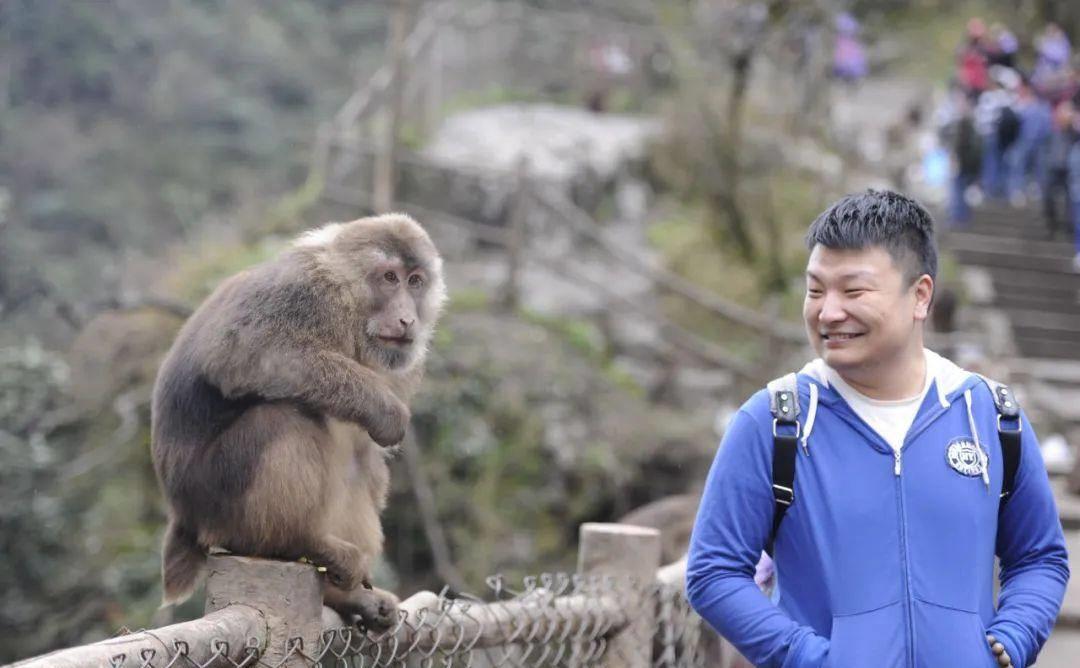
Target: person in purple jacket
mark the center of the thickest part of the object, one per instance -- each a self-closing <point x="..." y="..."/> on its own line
<point x="901" y="496"/>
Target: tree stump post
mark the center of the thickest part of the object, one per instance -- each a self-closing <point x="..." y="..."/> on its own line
<point x="628" y="553"/>
<point x="288" y="594"/>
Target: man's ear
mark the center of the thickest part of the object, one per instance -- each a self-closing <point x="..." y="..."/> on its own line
<point x="924" y="294"/>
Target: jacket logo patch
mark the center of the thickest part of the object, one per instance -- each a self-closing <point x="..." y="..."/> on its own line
<point x="965" y="457"/>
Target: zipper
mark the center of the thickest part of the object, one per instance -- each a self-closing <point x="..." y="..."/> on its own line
<point x="908" y="614"/>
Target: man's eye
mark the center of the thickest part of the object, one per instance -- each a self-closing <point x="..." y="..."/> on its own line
<point x="813" y="292"/>
<point x="415" y="281"/>
<point x="390" y="277"/>
<point x="854" y="292"/>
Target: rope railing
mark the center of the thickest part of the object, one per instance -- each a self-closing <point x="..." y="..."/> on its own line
<point x="619" y="609"/>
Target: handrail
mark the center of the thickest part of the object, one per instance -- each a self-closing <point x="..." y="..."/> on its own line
<point x="236" y="633"/>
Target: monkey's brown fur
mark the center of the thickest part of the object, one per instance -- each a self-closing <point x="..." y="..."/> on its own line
<point x="270" y="407"/>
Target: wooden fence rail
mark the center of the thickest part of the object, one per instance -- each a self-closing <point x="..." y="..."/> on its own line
<point x="621" y="608"/>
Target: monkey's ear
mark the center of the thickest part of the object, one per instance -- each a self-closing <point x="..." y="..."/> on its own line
<point x="320" y="236"/>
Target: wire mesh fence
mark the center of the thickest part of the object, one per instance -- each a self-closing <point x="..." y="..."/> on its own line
<point x="550" y="620"/>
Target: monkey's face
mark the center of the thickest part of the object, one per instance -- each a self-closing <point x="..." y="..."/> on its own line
<point x="400" y="290"/>
<point x="396" y="330"/>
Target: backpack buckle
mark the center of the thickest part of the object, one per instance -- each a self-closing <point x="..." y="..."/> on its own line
<point x="776" y="422"/>
<point x="784" y="495"/>
<point x="1019" y="425"/>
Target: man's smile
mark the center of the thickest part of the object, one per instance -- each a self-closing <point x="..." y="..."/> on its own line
<point x="840" y="336"/>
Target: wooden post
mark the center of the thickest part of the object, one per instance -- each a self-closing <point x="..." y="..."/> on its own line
<point x="287" y="593"/>
<point x="627" y="552"/>
<point x="519" y="212"/>
<point x="386" y="160"/>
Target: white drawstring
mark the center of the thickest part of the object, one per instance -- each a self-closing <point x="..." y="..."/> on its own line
<point x="810" y="415"/>
<point x="975" y="435"/>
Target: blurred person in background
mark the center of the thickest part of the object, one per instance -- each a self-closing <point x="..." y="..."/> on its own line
<point x="849" y="56"/>
<point x="1052" y="52"/>
<point x="1056" y="187"/>
<point x="1002" y="46"/>
<point x="1025" y="160"/>
<point x="1074" y="193"/>
<point x="965" y="147"/>
<point x="972" y="67"/>
<point x="997" y="125"/>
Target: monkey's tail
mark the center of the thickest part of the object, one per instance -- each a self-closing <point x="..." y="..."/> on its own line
<point x="182" y="561"/>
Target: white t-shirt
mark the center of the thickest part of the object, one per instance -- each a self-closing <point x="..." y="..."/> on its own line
<point x="890" y="418"/>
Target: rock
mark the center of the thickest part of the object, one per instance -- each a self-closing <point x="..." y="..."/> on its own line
<point x="582" y="153"/>
<point x="560" y="143"/>
<point x="978" y="284"/>
<point x="673" y="517"/>
<point x="117" y="351"/>
<point x="1057" y="454"/>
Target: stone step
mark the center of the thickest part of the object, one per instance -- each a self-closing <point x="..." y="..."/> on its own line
<point x="1061" y="649"/>
<point x="1038" y="247"/>
<point x="1059" y="401"/>
<point x="1033" y="230"/>
<point x="1034" y="279"/>
<point x="1045" y="264"/>
<point x="1066" y="323"/>
<point x="1047" y="303"/>
<point x="1033" y="347"/>
<point x="1058" y="372"/>
<point x="1030" y="232"/>
<point x="1068" y="506"/>
<point x="1037" y="336"/>
<point x="1058" y="291"/>
<point x="1070" y="607"/>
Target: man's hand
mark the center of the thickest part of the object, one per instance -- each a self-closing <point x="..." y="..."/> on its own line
<point x="999" y="652"/>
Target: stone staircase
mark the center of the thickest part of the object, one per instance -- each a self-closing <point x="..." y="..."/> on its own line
<point x="1010" y="268"/>
<point x="1031" y="282"/>
<point x="1033" y="279"/>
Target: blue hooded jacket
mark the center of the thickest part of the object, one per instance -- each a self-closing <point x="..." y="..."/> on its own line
<point x="883" y="559"/>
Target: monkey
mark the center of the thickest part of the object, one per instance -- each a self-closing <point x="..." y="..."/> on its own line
<point x="274" y="409"/>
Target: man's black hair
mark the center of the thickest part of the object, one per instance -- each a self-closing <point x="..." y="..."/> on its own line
<point x="883" y="218"/>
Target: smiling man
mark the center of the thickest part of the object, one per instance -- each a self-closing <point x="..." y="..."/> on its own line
<point x="882" y="478"/>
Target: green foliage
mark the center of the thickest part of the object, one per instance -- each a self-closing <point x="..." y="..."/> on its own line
<point x="75" y="554"/>
<point x="522" y="442"/>
<point x="197" y="274"/>
<point x="466" y="299"/>
<point x="931" y="33"/>
<point x="117" y="134"/>
<point x="583" y="335"/>
<point x="684" y="238"/>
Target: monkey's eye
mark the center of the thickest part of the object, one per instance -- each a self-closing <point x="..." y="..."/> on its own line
<point x="390" y="277"/>
<point x="415" y="281"/>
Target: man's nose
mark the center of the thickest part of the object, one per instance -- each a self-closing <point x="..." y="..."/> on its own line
<point x="832" y="309"/>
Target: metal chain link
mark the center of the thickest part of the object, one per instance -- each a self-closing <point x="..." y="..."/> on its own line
<point x="553" y="619"/>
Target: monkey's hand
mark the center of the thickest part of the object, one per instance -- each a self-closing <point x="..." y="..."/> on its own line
<point x="387" y="425"/>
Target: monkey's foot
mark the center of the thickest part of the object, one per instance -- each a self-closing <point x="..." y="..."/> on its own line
<point x="346" y="564"/>
<point x="377" y="609"/>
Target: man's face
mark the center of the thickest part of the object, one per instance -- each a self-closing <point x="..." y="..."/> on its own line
<point x="859" y="309"/>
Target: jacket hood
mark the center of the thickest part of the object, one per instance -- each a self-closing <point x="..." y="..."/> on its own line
<point x="949" y="379"/>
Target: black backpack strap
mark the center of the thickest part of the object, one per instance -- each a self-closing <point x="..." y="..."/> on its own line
<point x="784" y="405"/>
<point x="1009" y="428"/>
